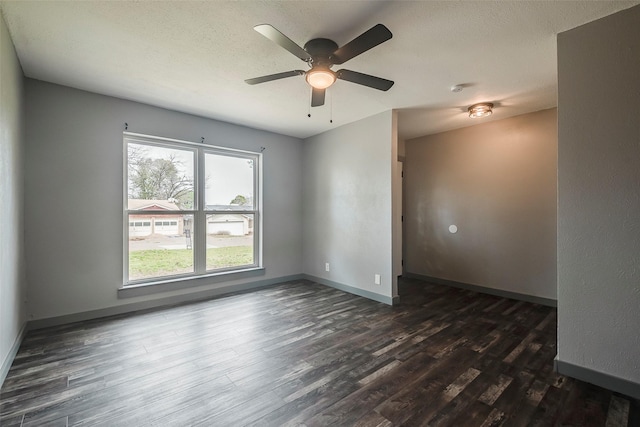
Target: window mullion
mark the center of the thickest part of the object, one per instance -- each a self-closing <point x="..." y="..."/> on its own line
<point x="200" y="217"/>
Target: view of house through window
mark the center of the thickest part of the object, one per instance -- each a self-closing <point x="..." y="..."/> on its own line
<point x="190" y="209"/>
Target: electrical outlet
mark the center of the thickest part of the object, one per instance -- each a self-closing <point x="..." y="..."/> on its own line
<point x="326" y="266"/>
<point x="376" y="279"/>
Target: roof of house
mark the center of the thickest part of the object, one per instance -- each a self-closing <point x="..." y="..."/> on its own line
<point x="227" y="207"/>
<point x="150" y="205"/>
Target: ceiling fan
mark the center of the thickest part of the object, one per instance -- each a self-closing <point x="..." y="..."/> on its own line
<point x="322" y="54"/>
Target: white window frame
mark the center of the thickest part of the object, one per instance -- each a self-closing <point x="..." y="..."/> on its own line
<point x="199" y="211"/>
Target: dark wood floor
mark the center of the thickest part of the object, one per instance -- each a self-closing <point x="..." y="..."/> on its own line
<point x="305" y="354"/>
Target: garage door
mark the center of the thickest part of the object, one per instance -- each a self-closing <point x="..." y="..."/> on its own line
<point x="168" y="227"/>
<point x="139" y="228"/>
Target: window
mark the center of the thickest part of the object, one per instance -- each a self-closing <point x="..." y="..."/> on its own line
<point x="190" y="210"/>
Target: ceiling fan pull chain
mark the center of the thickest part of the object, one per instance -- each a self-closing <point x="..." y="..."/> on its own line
<point x="331" y="107"/>
<point x="309" y="103"/>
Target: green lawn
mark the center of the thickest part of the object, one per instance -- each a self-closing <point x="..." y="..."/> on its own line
<point x="165" y="262"/>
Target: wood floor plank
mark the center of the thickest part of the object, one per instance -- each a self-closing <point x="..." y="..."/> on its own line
<point x="463" y="407"/>
<point x="546" y="414"/>
<point x="373" y="419"/>
<point x="472" y="416"/>
<point x="302" y="354"/>
<point x="15" y="421"/>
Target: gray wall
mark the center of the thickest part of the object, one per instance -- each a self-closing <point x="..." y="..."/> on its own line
<point x="497" y="183"/>
<point x="347" y="186"/>
<point x="599" y="196"/>
<point x="73" y="202"/>
<point x="12" y="283"/>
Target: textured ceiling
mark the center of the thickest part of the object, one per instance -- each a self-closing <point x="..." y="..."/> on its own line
<point x="194" y="56"/>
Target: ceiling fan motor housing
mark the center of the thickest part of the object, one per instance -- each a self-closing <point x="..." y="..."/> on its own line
<point x="321" y="51"/>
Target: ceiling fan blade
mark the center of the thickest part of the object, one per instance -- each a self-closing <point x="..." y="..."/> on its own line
<point x="317" y="97"/>
<point x="365" y="41"/>
<point x="280" y="39"/>
<point x="364" y="79"/>
<point x="271" y="77"/>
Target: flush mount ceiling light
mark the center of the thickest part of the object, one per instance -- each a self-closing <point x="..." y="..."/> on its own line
<point x="482" y="109"/>
<point x="320" y="78"/>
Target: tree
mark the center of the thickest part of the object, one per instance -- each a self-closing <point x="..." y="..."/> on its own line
<point x="239" y="200"/>
<point x="159" y="179"/>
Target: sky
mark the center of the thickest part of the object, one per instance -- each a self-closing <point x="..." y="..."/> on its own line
<point x="226" y="178"/>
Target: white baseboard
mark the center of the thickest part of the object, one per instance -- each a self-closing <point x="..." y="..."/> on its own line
<point x="352" y="290"/>
<point x="158" y="303"/>
<point x="8" y="361"/>
<point x="600" y="379"/>
<point x="485" y="290"/>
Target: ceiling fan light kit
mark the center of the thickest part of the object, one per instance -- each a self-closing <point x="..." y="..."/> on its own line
<point x="322" y="54"/>
<point x="320" y="78"/>
<point x="482" y="109"/>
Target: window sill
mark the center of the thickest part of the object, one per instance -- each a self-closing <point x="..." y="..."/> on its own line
<point x="130" y="291"/>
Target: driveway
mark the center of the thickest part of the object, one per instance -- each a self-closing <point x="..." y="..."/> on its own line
<point x="159" y="241"/>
